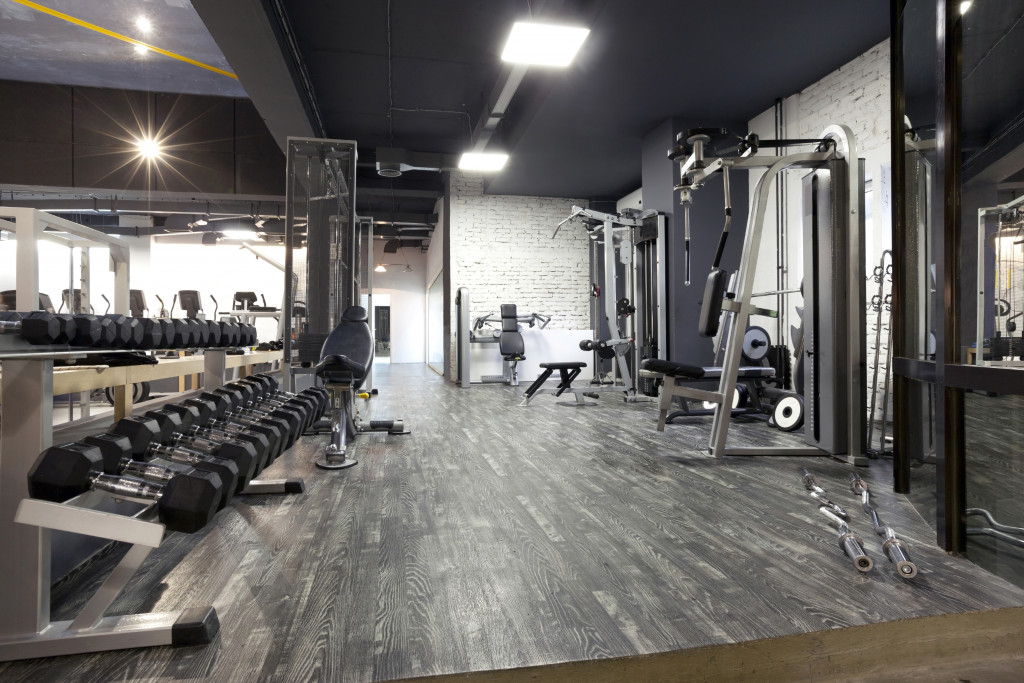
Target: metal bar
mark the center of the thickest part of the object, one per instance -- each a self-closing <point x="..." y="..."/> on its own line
<point x="901" y="262"/>
<point x="93" y="611"/>
<point x="82" y="520"/>
<point x="774" y="450"/>
<point x="745" y="286"/>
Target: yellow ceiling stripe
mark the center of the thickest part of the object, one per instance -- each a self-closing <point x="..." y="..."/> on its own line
<point x="118" y="36"/>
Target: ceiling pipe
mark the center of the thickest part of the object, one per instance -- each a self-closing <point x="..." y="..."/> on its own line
<point x="394" y="161"/>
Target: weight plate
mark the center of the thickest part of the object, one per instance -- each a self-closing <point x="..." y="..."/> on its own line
<point x="756" y="343"/>
<point x="789" y="413"/>
<point x="739" y="397"/>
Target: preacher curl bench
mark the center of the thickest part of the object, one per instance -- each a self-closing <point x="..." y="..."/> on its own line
<point x="345" y="360"/>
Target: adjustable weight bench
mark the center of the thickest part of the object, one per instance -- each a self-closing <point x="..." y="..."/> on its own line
<point x="684" y="376"/>
<point x="345" y="360"/>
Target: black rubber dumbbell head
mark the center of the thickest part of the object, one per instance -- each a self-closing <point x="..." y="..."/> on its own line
<point x="189" y="502"/>
<point x="64" y="471"/>
<point x="189" y="414"/>
<point x="152" y="334"/>
<point x="168" y="421"/>
<point x="68" y="329"/>
<point x="114" y="447"/>
<point x="141" y="431"/>
<point x="129" y="330"/>
<point x="207" y="409"/>
<point x="88" y="331"/>
<point x="214" y="334"/>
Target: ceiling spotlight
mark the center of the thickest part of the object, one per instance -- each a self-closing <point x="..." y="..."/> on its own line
<point x="482" y="161"/>
<point x="148" y="148"/>
<point x="202" y="221"/>
<point x="543" y="44"/>
<point x="260" y="222"/>
<point x="380" y="268"/>
<point x="964" y="6"/>
<point x="142" y="23"/>
<point x="140" y="49"/>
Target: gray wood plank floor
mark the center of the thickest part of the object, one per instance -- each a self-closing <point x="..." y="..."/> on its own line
<point x="496" y="536"/>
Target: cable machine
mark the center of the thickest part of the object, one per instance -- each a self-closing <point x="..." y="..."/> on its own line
<point x="834" y="288"/>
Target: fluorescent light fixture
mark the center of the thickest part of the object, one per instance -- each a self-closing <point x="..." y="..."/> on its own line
<point x="142" y="23"/>
<point x="380" y="268"/>
<point x="964" y="6"/>
<point x="543" y="44"/>
<point x="238" y="234"/>
<point x="148" y="148"/>
<point x="482" y="161"/>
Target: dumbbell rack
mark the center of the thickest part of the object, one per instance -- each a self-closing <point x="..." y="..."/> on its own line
<point x="25" y="524"/>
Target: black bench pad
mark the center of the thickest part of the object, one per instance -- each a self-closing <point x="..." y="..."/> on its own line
<point x="560" y="366"/>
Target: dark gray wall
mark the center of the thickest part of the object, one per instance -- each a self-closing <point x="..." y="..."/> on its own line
<point x="65" y="136"/>
<point x="706" y="221"/>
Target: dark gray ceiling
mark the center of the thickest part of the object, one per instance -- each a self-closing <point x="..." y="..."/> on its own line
<point x="41" y="48"/>
<point x="575" y="132"/>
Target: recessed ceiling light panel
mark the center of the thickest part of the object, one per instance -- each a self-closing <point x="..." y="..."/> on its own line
<point x="482" y="161"/>
<point x="543" y="44"/>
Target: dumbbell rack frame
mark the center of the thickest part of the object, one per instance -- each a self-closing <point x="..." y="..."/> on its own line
<point x="25" y="524"/>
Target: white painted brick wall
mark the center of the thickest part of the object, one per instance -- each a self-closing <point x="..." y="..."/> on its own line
<point x="856" y="94"/>
<point x="502" y="250"/>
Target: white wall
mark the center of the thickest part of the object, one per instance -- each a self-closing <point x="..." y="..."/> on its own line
<point x="502" y="250"/>
<point x="408" y="300"/>
<point x="218" y="270"/>
<point x="53" y="270"/>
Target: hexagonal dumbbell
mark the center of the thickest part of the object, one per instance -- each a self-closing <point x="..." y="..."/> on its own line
<point x="219" y="406"/>
<point x="144" y="434"/>
<point x="118" y="459"/>
<point x="186" y="502"/>
<point x="174" y="431"/>
<point x="265" y="395"/>
<point x="193" y="424"/>
<point x="247" y="397"/>
<point x="249" y="454"/>
<point x="319" y="394"/>
<point x="34" y="327"/>
<point x="291" y="418"/>
<point x="128" y="329"/>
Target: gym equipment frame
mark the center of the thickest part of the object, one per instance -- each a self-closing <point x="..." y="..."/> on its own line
<point x="1012" y="209"/>
<point x="334" y="272"/>
<point x="467" y="334"/>
<point x="834" y="322"/>
<point x="617" y="232"/>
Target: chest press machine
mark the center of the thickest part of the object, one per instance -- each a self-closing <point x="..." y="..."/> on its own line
<point x="834" y="326"/>
<point x="344" y="364"/>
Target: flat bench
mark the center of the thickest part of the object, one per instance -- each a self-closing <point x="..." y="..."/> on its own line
<point x="682" y="374"/>
<point x="568" y="372"/>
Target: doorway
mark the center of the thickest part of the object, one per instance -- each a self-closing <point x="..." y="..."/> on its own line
<point x="382" y="333"/>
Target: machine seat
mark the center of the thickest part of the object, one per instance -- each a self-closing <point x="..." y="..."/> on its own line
<point x="347" y="354"/>
<point x="694" y="372"/>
